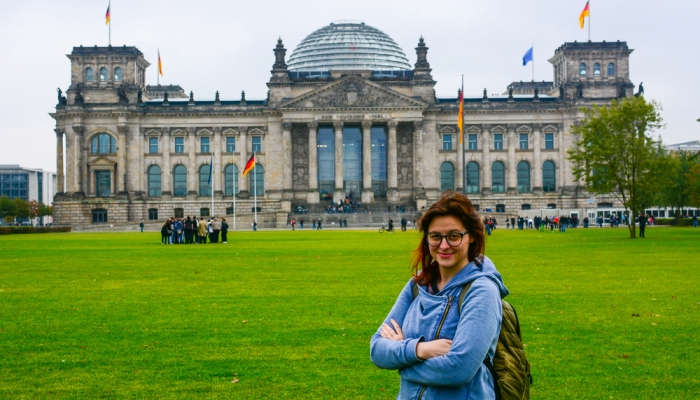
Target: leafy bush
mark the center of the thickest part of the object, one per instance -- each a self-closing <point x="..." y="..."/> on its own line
<point x="675" y="221"/>
<point x="5" y="230"/>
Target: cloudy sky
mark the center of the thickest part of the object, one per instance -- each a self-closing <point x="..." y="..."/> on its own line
<point x="212" y="45"/>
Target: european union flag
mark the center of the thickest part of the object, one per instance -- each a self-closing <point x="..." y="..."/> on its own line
<point x="528" y="56"/>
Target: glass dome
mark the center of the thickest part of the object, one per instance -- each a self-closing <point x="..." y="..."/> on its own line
<point x="348" y="46"/>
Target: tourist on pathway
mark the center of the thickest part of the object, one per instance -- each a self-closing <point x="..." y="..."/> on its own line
<point x="141" y="225"/>
<point x="449" y="364"/>
<point x="642" y="224"/>
<point x="224" y="231"/>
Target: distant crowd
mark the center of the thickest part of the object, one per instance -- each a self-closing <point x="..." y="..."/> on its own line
<point x="194" y="230"/>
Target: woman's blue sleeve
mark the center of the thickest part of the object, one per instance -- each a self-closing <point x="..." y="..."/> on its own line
<point x="477" y="330"/>
<point x="393" y="354"/>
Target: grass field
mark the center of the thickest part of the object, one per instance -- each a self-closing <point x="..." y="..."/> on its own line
<point x="277" y="315"/>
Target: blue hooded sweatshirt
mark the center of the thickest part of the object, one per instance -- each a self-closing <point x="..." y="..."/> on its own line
<point x="461" y="373"/>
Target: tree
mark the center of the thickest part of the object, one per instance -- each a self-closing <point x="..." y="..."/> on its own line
<point x="34" y="209"/>
<point x="693" y="185"/>
<point x="675" y="193"/>
<point x="616" y="155"/>
<point x="22" y="208"/>
<point x="8" y="208"/>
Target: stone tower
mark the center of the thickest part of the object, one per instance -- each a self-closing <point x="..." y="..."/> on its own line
<point x="592" y="70"/>
<point x="106" y="75"/>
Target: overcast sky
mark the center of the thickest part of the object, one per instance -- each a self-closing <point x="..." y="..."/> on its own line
<point x="227" y="46"/>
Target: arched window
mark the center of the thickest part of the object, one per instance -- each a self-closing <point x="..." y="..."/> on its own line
<point x="205" y="180"/>
<point x="257" y="180"/>
<point x="231" y="180"/>
<point x="472" y="177"/>
<point x="611" y="69"/>
<point x="582" y="69"/>
<point x="180" y="181"/>
<point x="117" y="74"/>
<point x="549" y="176"/>
<point x="498" y="177"/>
<point x="154" y="187"/>
<point x="523" y="177"/>
<point x="447" y="177"/>
<point x="89" y="75"/>
<point x="103" y="74"/>
<point x="596" y="69"/>
<point x="103" y="143"/>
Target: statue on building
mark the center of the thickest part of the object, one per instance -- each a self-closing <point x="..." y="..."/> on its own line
<point x="640" y="92"/>
<point x="62" y="101"/>
<point x="537" y="93"/>
<point x="191" y="96"/>
<point x="579" y="90"/>
<point x="243" y="102"/>
<point x="486" y="96"/>
<point x="139" y="97"/>
<point x="123" y="98"/>
<point x="165" y="97"/>
<point x="79" y="100"/>
<point x="510" y="93"/>
<point x="216" y="98"/>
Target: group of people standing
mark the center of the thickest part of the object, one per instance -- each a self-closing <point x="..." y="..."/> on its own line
<point x="193" y="230"/>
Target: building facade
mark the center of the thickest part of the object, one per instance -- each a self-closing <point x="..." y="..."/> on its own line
<point x="347" y="117"/>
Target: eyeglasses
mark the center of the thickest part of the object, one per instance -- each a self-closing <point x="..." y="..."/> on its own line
<point x="453" y="238"/>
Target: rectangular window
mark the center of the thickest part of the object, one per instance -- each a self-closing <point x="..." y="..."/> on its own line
<point x="447" y="142"/>
<point x="498" y="141"/>
<point x="523" y="141"/>
<point x="179" y="212"/>
<point x="152" y="214"/>
<point x="549" y="141"/>
<point x="230" y="144"/>
<point x="472" y="141"/>
<point x="99" y="216"/>
<point x="14" y="186"/>
<point x="203" y="212"/>
<point x="257" y="144"/>
<point x="153" y="145"/>
<point x="102" y="183"/>
<point x="229" y="210"/>
<point x="204" y="144"/>
<point x="180" y="144"/>
<point x="40" y="186"/>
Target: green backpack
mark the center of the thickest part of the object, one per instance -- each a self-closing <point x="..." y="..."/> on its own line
<point x="510" y="368"/>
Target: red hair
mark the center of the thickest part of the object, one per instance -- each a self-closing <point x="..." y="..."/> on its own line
<point x="456" y="205"/>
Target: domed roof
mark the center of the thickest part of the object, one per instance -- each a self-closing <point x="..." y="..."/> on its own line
<point x="348" y="46"/>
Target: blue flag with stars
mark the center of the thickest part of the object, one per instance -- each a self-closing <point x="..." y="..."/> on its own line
<point x="528" y="56"/>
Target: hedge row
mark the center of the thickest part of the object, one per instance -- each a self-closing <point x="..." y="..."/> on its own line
<point x="4" y="230"/>
<point x="675" y="221"/>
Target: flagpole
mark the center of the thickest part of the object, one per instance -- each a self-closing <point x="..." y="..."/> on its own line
<point x="589" y="21"/>
<point x="211" y="184"/>
<point x="158" y="70"/>
<point x="532" y="46"/>
<point x="255" y="193"/>
<point x="464" y="169"/>
<point x="233" y="186"/>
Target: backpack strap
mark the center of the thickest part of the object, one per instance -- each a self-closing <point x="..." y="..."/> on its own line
<point x="414" y="290"/>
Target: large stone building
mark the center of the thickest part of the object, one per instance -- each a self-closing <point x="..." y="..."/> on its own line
<point x="345" y="116"/>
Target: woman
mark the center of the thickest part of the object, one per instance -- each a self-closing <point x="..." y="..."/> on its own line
<point x="438" y="346"/>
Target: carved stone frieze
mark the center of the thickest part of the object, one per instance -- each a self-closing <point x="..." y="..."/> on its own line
<point x="300" y="157"/>
<point x="404" y="138"/>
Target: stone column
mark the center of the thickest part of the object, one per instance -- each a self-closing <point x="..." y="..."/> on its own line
<point x="367" y="194"/>
<point x="418" y="158"/>
<point x="243" y="150"/>
<point x="166" y="168"/>
<point x="216" y="173"/>
<point x="339" y="193"/>
<point x="313" y="195"/>
<point x="124" y="165"/>
<point x="81" y="150"/>
<point x="71" y="159"/>
<point x="392" y="177"/>
<point x="192" y="173"/>
<point x="536" y="166"/>
<point x="459" y="173"/>
<point x="287" y="163"/>
<point x="511" y="164"/>
<point x="60" y="188"/>
<point x="485" y="167"/>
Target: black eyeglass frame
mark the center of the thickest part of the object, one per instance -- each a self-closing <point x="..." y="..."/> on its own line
<point x="444" y="237"/>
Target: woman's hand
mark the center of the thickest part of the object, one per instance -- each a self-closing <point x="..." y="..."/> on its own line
<point x="434" y="348"/>
<point x="394" y="334"/>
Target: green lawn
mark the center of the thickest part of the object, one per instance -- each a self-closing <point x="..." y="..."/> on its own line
<point x="289" y="314"/>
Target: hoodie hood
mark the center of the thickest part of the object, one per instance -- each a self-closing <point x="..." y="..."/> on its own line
<point x="473" y="271"/>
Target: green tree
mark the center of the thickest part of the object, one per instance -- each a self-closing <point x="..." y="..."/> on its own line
<point x="22" y="208"/>
<point x="8" y="208"/>
<point x="693" y="185"/>
<point x="615" y="153"/>
<point x="675" y="192"/>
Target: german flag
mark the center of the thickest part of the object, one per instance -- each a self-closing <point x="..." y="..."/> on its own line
<point x="460" y="117"/>
<point x="585" y="13"/>
<point x="249" y="165"/>
<point x="107" y="14"/>
<point x="160" y="64"/>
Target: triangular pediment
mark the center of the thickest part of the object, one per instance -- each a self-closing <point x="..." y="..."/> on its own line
<point x="353" y="92"/>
